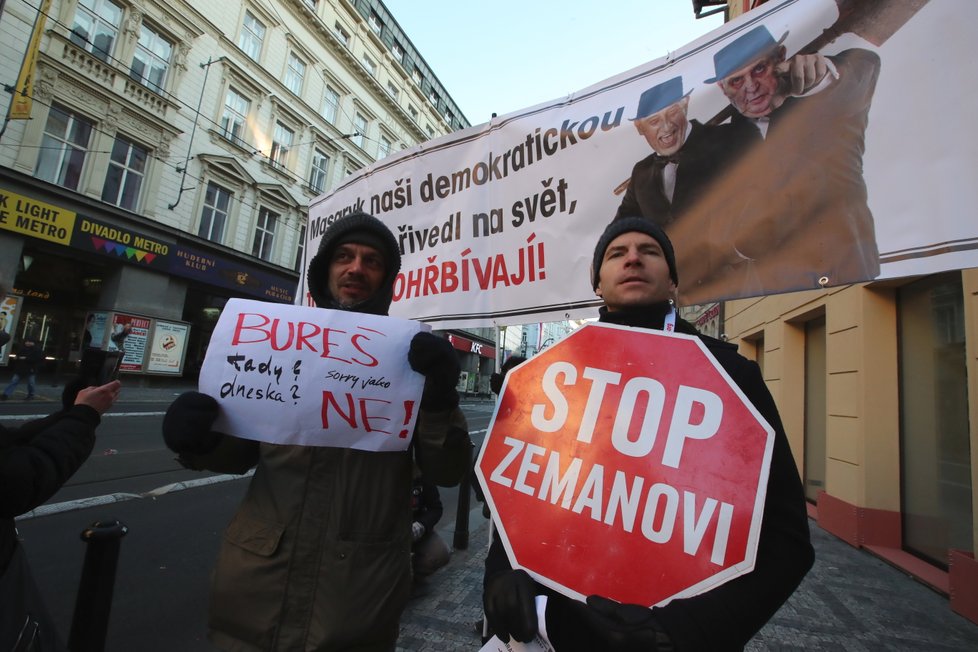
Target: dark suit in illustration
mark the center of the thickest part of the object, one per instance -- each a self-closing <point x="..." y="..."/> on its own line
<point x="699" y="160"/>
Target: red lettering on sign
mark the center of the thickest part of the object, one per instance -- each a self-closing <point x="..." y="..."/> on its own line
<point x="331" y="343"/>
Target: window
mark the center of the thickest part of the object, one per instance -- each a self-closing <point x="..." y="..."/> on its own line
<point x="331" y="104"/>
<point x="397" y="51"/>
<point x="96" y="26"/>
<point x="393" y="90"/>
<point x="384" y="149"/>
<point x="300" y="249"/>
<point x="124" y="178"/>
<point x="214" y="216"/>
<point x="416" y="75"/>
<point x="235" y="116"/>
<point x="431" y="132"/>
<point x="151" y="59"/>
<point x="433" y="97"/>
<point x="376" y="24"/>
<point x="342" y="34"/>
<point x="252" y="36"/>
<point x="360" y="127"/>
<point x="935" y="448"/>
<point x="63" y="148"/>
<point x="413" y="111"/>
<point x="295" y="73"/>
<point x="320" y="167"/>
<point x="281" y="145"/>
<point x="449" y="117"/>
<point x="264" y="234"/>
<point x="369" y="64"/>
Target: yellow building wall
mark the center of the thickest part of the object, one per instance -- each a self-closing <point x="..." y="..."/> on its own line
<point x="862" y="465"/>
<point x="862" y="420"/>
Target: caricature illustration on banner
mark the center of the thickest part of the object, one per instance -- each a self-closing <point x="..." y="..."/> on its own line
<point x="285" y="374"/>
<point x="810" y="187"/>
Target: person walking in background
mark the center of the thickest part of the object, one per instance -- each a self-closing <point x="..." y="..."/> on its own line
<point x="26" y="364"/>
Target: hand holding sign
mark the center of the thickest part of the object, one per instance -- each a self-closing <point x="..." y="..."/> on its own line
<point x="434" y="358"/>
<point x="187" y="426"/>
<point x="294" y="375"/>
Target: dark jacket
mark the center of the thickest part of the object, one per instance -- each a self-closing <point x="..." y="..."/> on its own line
<point x="700" y="159"/>
<point x="726" y="617"/>
<point x="28" y="360"/>
<point x="35" y="462"/>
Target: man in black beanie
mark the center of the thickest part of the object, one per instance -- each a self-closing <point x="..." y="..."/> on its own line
<point x="634" y="272"/>
<point x="318" y="556"/>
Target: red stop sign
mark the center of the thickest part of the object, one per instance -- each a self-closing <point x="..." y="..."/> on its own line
<point x="625" y="462"/>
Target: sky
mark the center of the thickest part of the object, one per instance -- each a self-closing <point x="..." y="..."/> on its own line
<point x="511" y="54"/>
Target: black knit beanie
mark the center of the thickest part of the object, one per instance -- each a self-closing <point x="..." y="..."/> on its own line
<point x="621" y="225"/>
<point x="358" y="228"/>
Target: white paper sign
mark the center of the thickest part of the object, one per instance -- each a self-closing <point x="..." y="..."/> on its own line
<point x="292" y="375"/>
<point x="536" y="645"/>
<point x="541" y="643"/>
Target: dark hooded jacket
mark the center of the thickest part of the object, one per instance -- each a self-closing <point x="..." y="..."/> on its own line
<point x="318" y="555"/>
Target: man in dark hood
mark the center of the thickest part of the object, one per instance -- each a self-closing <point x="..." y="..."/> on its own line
<point x="355" y="266"/>
<point x="318" y="555"/>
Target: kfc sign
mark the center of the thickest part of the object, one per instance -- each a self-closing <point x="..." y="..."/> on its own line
<point x="470" y="346"/>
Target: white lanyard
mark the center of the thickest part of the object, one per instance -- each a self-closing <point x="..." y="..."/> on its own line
<point x="669" y="323"/>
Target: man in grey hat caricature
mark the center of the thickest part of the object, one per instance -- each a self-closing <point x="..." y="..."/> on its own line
<point x="318" y="555"/>
<point x="792" y="210"/>
<point x="686" y="155"/>
<point x="634" y="272"/>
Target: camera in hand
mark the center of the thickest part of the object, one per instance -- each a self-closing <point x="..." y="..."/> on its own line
<point x="99" y="367"/>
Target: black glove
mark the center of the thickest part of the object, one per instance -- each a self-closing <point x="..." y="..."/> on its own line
<point x="618" y="627"/>
<point x="434" y="358"/>
<point x="509" y="603"/>
<point x="187" y="424"/>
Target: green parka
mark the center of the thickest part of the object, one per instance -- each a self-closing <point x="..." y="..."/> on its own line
<point x="318" y="555"/>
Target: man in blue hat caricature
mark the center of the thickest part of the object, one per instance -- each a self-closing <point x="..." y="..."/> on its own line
<point x="686" y="155"/>
<point x="791" y="211"/>
<point x="755" y="76"/>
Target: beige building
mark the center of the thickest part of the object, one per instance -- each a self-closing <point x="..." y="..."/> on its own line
<point x="871" y="381"/>
<point x="173" y="148"/>
<point x="872" y="385"/>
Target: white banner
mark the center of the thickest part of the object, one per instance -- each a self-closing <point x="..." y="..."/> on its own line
<point x="838" y="183"/>
<point x="293" y="375"/>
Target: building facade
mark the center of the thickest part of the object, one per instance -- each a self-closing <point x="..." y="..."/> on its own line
<point x="872" y="384"/>
<point x="172" y="149"/>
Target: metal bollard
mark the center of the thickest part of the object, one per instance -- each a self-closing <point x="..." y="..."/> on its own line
<point x="91" y="619"/>
<point x="461" y="539"/>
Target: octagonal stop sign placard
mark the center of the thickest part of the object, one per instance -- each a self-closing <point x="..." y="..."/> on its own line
<point x="626" y="463"/>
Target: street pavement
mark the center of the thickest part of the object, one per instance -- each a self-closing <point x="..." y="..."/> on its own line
<point x="851" y="600"/>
